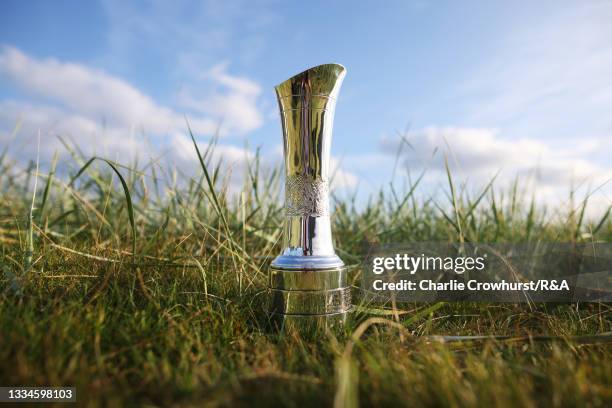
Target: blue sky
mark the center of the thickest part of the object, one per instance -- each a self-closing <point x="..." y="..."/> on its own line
<point x="518" y="87"/>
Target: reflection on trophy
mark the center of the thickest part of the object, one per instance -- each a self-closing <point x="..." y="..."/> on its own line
<point x="308" y="281"/>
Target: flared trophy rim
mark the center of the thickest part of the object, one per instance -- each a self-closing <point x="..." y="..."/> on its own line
<point x="327" y="81"/>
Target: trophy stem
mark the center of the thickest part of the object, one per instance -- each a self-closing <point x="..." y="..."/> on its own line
<point x="308" y="281"/>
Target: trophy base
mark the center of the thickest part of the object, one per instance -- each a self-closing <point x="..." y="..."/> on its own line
<point x="311" y="300"/>
<point x="306" y="325"/>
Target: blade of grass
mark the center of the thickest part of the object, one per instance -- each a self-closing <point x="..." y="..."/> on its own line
<point x="47" y="187"/>
<point x="454" y="200"/>
<point x="126" y="192"/>
<point x="30" y="250"/>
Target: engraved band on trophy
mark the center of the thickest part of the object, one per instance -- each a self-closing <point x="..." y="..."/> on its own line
<point x="308" y="281"/>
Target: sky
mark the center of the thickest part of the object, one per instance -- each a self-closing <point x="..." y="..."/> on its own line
<point x="493" y="88"/>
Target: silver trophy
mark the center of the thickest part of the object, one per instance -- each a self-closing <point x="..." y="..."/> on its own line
<point x="308" y="281"/>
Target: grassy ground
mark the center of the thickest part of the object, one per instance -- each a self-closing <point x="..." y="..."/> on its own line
<point x="162" y="301"/>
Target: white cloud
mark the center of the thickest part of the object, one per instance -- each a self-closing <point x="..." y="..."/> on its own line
<point x="88" y="134"/>
<point x="86" y="91"/>
<point x="237" y="104"/>
<point x="234" y="158"/>
<point x="107" y="116"/>
<point x="340" y="177"/>
<point x="174" y="152"/>
<point x="478" y="155"/>
<point x="97" y="95"/>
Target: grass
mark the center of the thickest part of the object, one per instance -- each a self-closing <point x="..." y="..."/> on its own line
<point x="143" y="291"/>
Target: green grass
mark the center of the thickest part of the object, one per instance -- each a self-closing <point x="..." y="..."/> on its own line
<point x="139" y="291"/>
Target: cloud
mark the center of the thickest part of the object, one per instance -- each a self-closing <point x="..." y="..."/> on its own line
<point x="341" y="178"/>
<point x="86" y="91"/>
<point x="234" y="159"/>
<point x="478" y="154"/>
<point x="237" y="102"/>
<point x="107" y="116"/>
<point x="99" y="96"/>
<point x="180" y="154"/>
<point x="173" y="152"/>
<point x="51" y="121"/>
